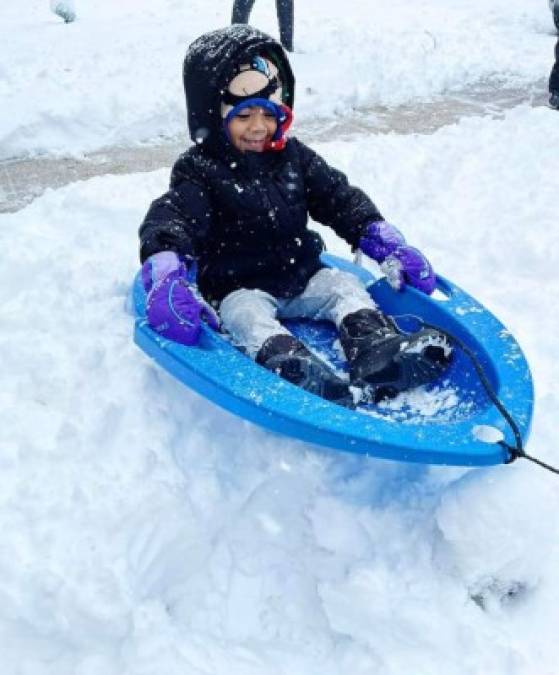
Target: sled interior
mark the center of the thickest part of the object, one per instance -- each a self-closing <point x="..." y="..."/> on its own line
<point x="436" y="424"/>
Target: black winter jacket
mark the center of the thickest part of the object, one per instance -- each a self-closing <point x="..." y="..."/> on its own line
<point x="244" y="216"/>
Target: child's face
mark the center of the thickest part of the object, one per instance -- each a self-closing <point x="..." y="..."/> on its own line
<point x="252" y="129"/>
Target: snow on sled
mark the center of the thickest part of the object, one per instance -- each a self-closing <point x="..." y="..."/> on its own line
<point x="451" y="421"/>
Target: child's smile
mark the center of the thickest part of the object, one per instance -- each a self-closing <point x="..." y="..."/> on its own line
<point x="252" y="129"/>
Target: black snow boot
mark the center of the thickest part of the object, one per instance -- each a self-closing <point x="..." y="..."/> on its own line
<point x="385" y="361"/>
<point x="290" y="359"/>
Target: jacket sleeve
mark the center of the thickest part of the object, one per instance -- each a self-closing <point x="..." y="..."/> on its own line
<point x="332" y="201"/>
<point x="180" y="218"/>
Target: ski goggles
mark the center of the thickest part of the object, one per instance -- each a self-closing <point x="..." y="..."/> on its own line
<point x="257" y="64"/>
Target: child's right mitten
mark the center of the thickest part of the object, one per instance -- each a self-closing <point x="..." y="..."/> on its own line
<point x="174" y="308"/>
<point x="380" y="240"/>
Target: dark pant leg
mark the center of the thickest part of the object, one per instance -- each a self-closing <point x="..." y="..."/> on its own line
<point x="554" y="77"/>
<point x="284" y="10"/>
<point x="241" y="11"/>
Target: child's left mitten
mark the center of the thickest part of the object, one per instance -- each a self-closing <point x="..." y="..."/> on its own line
<point x="401" y="263"/>
<point x="406" y="265"/>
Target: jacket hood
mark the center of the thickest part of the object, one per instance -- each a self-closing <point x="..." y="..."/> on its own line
<point x="208" y="67"/>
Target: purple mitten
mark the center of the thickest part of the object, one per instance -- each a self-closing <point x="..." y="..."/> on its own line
<point x="174" y="308"/>
<point x="407" y="265"/>
<point x="380" y="240"/>
<point x="158" y="266"/>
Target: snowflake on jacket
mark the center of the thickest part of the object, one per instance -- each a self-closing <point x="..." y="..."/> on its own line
<point x="239" y="204"/>
<point x="244" y="217"/>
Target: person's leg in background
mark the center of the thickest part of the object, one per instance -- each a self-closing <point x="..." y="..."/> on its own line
<point x="554" y="79"/>
<point x="241" y="11"/>
<point x="285" y="12"/>
<point x="554" y="6"/>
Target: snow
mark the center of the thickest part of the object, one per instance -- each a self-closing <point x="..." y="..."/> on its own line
<point x="114" y="76"/>
<point x="66" y="9"/>
<point x="144" y="530"/>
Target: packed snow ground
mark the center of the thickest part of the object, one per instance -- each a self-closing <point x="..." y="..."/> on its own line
<point x="147" y="532"/>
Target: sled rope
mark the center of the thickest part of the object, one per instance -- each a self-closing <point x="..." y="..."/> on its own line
<point x="517" y="450"/>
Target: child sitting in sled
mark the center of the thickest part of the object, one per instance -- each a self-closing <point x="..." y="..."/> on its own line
<point x="237" y="208"/>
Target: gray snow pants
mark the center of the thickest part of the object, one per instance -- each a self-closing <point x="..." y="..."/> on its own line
<point x="251" y="316"/>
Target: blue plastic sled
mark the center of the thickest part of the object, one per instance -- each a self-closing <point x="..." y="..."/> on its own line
<point x="451" y="421"/>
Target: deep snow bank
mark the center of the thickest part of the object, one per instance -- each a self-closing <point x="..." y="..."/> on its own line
<point x="145" y="531"/>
